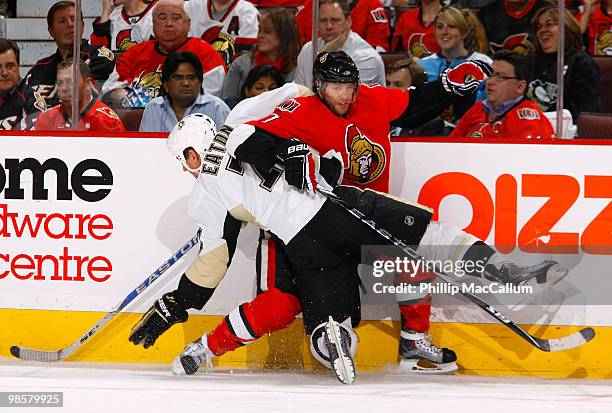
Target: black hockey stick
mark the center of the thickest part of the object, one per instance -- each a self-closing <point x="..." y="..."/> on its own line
<point x="554" y="344"/>
<point x="56" y="355"/>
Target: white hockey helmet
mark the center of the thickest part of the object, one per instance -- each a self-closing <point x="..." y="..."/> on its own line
<point x="195" y="131"/>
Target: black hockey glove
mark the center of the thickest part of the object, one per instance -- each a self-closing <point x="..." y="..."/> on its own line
<point x="464" y="79"/>
<point x="299" y="164"/>
<point x="160" y="317"/>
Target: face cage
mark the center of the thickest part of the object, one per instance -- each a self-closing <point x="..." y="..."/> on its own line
<point x="183" y="162"/>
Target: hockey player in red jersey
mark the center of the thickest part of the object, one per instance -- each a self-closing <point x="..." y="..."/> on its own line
<point x="321" y="240"/>
<point x="94" y="116"/>
<point x="506" y="113"/>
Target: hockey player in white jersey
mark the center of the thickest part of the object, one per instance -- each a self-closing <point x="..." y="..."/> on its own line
<point x="321" y="239"/>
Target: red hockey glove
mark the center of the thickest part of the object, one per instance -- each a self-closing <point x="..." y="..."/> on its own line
<point x="300" y="168"/>
<point x="464" y="79"/>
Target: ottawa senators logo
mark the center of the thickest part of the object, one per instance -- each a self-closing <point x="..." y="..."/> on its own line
<point x="124" y="40"/>
<point x="106" y="52"/>
<point x="416" y="46"/>
<point x="528" y="114"/>
<point x="289" y="105"/>
<point x="367" y="160"/>
<point x="379" y="15"/>
<point x="39" y="102"/>
<point x="518" y="43"/>
<point x="603" y="43"/>
<point x="221" y="42"/>
<point x="149" y="84"/>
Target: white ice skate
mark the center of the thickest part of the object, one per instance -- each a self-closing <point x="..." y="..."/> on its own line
<point x="338" y="342"/>
<point x="419" y="355"/>
<point x="194" y="355"/>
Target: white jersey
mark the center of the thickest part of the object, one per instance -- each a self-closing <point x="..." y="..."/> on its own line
<point x="122" y="27"/>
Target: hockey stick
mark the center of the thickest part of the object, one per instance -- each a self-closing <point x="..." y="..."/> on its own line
<point x="56" y="355"/>
<point x="554" y="344"/>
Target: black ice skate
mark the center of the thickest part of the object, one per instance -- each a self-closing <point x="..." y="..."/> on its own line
<point x="546" y="274"/>
<point x="419" y="355"/>
<point x="194" y="355"/>
<point x="338" y="342"/>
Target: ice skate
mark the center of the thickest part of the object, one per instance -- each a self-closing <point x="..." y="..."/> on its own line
<point x="543" y="275"/>
<point x="338" y="342"/>
<point x="419" y="355"/>
<point x="194" y="355"/>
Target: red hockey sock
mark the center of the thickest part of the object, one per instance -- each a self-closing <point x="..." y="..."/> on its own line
<point x="270" y="311"/>
<point x="416" y="316"/>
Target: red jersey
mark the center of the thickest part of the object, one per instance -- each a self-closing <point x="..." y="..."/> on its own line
<point x="524" y="120"/>
<point x="369" y="20"/>
<point x="599" y="33"/>
<point x="97" y="117"/>
<point x="361" y="138"/>
<point x="140" y="67"/>
<point x="412" y="36"/>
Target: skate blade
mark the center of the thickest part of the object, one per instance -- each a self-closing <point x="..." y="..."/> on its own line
<point x="419" y="366"/>
<point x="343" y="366"/>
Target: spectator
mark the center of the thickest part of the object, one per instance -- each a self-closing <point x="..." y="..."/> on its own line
<point x="94" y="116"/>
<point x="183" y="95"/>
<point x="414" y="30"/>
<point x="278" y="44"/>
<point x="119" y="18"/>
<point x="260" y="80"/>
<point x="230" y="26"/>
<point x="19" y="103"/>
<point x="582" y="76"/>
<point x="506" y="113"/>
<point x="61" y="21"/>
<point x="136" y="78"/>
<point x="368" y="17"/>
<point x="403" y="74"/>
<point x="459" y="34"/>
<point x="335" y="34"/>
<point x="507" y="24"/>
<point x="596" y="21"/>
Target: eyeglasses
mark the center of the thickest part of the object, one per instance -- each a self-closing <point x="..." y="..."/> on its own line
<point x="501" y="78"/>
<point x="179" y="78"/>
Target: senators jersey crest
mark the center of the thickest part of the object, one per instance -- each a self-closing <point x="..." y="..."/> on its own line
<point x="367" y="160"/>
<point x="518" y="43"/>
<point x="416" y="46"/>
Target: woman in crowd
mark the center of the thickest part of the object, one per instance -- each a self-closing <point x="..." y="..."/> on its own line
<point x="461" y="37"/>
<point x="414" y="30"/>
<point x="581" y="79"/>
<point x="278" y="45"/>
<point x="259" y="80"/>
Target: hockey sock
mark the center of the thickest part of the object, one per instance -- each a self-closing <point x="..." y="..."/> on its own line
<point x="270" y="311"/>
<point x="416" y="316"/>
<point x="447" y="242"/>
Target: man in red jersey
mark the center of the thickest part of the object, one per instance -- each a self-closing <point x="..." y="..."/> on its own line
<point x="95" y="116"/>
<point x="137" y="75"/>
<point x="506" y="113"/>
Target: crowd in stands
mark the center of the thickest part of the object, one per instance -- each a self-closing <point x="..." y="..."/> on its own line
<point x="170" y="58"/>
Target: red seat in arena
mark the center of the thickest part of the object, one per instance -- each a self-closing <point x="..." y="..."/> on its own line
<point x="595" y="126"/>
<point x="130" y="117"/>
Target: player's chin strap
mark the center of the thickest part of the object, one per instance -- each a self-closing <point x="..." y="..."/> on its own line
<point x="555" y="344"/>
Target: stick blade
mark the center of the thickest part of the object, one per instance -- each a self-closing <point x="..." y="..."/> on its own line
<point x="35" y="355"/>
<point x="568" y="342"/>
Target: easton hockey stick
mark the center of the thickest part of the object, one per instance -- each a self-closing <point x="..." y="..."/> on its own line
<point x="554" y="344"/>
<point x="56" y="355"/>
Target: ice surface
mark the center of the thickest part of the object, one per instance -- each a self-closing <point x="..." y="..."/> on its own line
<point x="135" y="388"/>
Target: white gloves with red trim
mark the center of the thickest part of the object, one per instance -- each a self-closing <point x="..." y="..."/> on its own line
<point x="464" y="79"/>
<point x="300" y="166"/>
